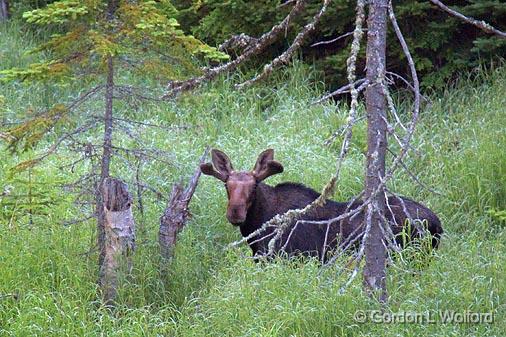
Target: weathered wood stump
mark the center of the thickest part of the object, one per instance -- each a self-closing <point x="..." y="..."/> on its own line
<point x="176" y="213"/>
<point x="119" y="236"/>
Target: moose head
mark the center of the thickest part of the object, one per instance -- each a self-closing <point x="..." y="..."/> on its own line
<point x="240" y="185"/>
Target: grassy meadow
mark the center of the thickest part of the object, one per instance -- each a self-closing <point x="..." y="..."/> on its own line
<point x="48" y="273"/>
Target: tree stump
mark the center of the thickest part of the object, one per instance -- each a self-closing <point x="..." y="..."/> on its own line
<point x="119" y="236"/>
<point x="172" y="221"/>
<point x="176" y="213"/>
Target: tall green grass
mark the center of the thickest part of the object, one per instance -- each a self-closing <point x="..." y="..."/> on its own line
<point x="48" y="273"/>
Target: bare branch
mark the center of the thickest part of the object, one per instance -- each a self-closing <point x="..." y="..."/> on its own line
<point x="56" y="145"/>
<point x="162" y="127"/>
<point x="416" y="85"/>
<point x="360" y="254"/>
<point x="477" y="23"/>
<point x="343" y="90"/>
<point x="238" y="43"/>
<point x="405" y="81"/>
<point x="264" y="41"/>
<point x="331" y="41"/>
<point x="131" y="92"/>
<point x="288" y="54"/>
<point x="413" y="176"/>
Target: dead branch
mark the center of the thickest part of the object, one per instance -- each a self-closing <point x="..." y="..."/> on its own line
<point x="413" y="176"/>
<point x="360" y="254"/>
<point x="289" y="53"/>
<point x="239" y="42"/>
<point x="416" y="85"/>
<point x="477" y="23"/>
<point x="56" y="145"/>
<point x="263" y="42"/>
<point x="405" y="81"/>
<point x="176" y="213"/>
<point x="331" y="41"/>
<point x="131" y="92"/>
<point x="343" y="90"/>
<point x="286" y="3"/>
<point x="151" y="153"/>
<point x="162" y="127"/>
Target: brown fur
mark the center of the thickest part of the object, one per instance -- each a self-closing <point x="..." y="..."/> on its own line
<point x="252" y="202"/>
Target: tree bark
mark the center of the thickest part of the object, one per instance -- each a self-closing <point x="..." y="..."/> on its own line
<point x="106" y="157"/>
<point x="107" y="142"/>
<point x="119" y="228"/>
<point x="176" y="213"/>
<point x="375" y="251"/>
<point x="4" y="10"/>
<point x="172" y="221"/>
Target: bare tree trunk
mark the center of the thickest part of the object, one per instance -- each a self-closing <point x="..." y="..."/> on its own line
<point x="375" y="251"/>
<point x="107" y="144"/>
<point x="119" y="236"/>
<point x="106" y="157"/>
<point x="176" y="213"/>
<point x="4" y="10"/>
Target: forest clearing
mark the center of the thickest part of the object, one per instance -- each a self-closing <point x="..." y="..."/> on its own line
<point x="90" y="135"/>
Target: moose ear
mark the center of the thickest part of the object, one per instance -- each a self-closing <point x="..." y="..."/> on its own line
<point x="221" y="162"/>
<point x="209" y="170"/>
<point x="266" y="166"/>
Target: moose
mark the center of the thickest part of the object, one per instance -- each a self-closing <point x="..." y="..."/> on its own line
<point x="251" y="203"/>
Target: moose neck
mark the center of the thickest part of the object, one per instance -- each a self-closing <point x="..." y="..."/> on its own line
<point x="260" y="210"/>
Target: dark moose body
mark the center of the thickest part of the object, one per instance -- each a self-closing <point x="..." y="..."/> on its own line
<point x="252" y="203"/>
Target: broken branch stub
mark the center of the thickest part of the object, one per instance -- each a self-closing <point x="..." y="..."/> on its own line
<point x="176" y="213"/>
<point x="172" y="221"/>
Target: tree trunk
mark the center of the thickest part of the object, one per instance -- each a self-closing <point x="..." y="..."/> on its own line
<point x="106" y="157"/>
<point x="375" y="251"/>
<point x="119" y="236"/>
<point x="176" y="213"/>
<point x="4" y="10"/>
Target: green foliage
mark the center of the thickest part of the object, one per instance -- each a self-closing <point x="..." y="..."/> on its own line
<point x="442" y="46"/>
<point x="58" y="12"/>
<point x="26" y="200"/>
<point x="48" y="272"/>
<point x="500" y="215"/>
<point x="52" y="70"/>
<point x="25" y="136"/>
<point x="142" y="37"/>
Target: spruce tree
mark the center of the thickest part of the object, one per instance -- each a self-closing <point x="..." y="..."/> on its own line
<point x="99" y="42"/>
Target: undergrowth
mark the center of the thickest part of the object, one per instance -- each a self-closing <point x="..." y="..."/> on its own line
<point x="48" y="268"/>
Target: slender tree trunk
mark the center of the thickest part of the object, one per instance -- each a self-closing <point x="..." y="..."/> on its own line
<point x="375" y="251"/>
<point x="106" y="157"/>
<point x="107" y="144"/>
<point x="4" y="10"/>
<point x="119" y="228"/>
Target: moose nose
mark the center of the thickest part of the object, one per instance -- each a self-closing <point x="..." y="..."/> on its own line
<point x="236" y="214"/>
